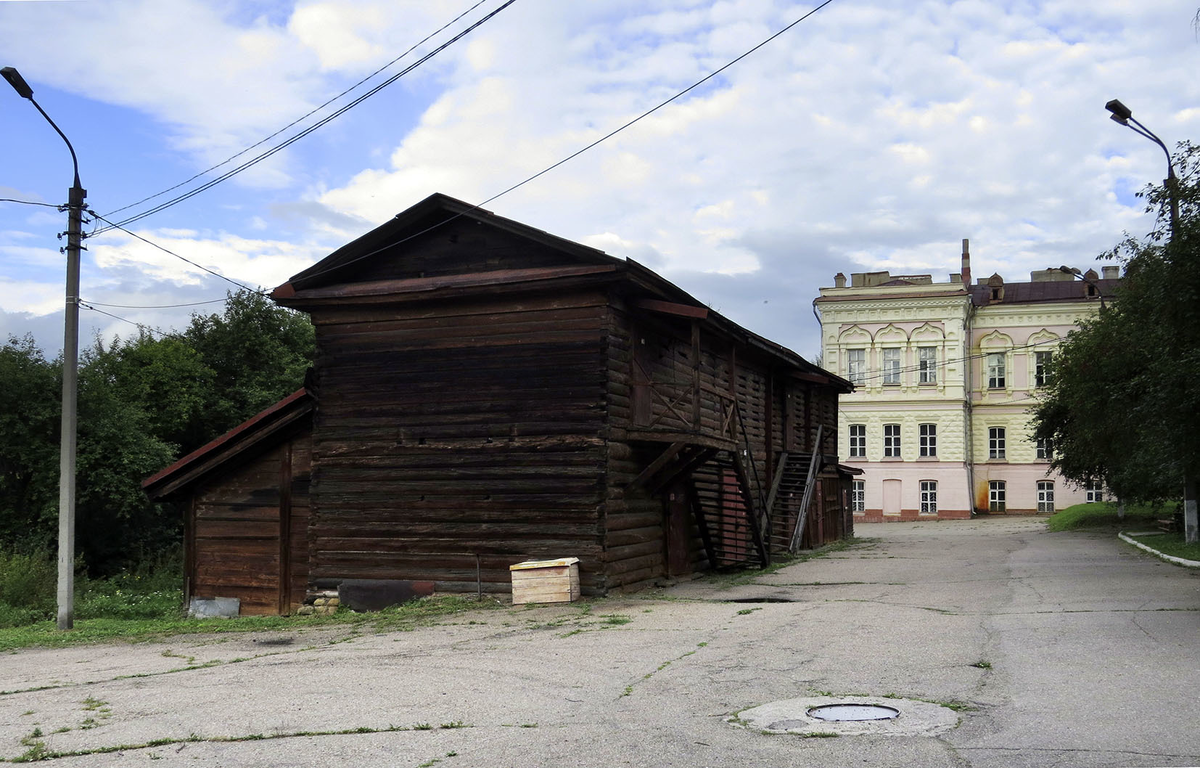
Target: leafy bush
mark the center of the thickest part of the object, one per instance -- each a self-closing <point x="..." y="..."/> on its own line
<point x="153" y="590"/>
<point x="27" y="587"/>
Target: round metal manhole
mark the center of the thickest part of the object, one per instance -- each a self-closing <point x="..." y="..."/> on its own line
<point x="843" y="713"/>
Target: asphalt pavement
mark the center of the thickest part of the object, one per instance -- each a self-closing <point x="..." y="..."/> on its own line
<point x="997" y="642"/>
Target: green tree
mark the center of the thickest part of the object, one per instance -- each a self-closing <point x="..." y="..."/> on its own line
<point x="258" y="353"/>
<point x="1123" y="406"/>
<point x="30" y="389"/>
<point x="143" y="402"/>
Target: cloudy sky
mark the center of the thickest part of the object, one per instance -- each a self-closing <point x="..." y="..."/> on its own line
<point x="873" y="135"/>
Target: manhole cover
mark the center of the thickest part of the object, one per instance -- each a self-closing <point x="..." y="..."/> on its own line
<point x="853" y="712"/>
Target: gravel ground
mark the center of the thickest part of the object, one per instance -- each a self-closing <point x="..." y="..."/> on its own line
<point x="1048" y="649"/>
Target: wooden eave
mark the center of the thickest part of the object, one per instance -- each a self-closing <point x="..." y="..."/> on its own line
<point x="217" y="453"/>
<point x="442" y="286"/>
<point x="786" y="358"/>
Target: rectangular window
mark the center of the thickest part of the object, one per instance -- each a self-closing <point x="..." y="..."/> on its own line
<point x="928" y="439"/>
<point x="856" y="366"/>
<point x="1045" y="490"/>
<point x="996" y="496"/>
<point x="928" y="497"/>
<point x="858" y="441"/>
<point x="858" y="496"/>
<point x="1044" y="449"/>
<point x="891" y="440"/>
<point x="996" y="371"/>
<point x="1041" y="368"/>
<point x="891" y="365"/>
<point x="1094" y="493"/>
<point x="927" y="364"/>
<point x="995" y="442"/>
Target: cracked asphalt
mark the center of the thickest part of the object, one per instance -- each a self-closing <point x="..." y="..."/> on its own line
<point x="1053" y="649"/>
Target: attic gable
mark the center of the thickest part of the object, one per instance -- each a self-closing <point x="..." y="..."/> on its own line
<point x="442" y="237"/>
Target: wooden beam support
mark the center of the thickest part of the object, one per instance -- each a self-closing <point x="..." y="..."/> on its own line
<point x="653" y="467"/>
<point x="671" y="308"/>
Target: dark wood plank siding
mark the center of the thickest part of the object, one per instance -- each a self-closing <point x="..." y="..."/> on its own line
<point x="451" y="435"/>
<point x="234" y="533"/>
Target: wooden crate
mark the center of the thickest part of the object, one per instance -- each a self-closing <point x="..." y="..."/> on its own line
<point x="545" y="581"/>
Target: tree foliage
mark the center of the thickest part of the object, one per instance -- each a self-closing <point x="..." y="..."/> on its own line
<point x="143" y="402"/>
<point x="1123" y="406"/>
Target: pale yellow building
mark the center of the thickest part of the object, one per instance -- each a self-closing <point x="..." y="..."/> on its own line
<point x="945" y="374"/>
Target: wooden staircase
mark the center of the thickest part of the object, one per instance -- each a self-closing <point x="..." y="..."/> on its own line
<point x="791" y="498"/>
<point x="731" y="523"/>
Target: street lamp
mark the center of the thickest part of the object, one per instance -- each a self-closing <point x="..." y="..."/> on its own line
<point x="1123" y="115"/>
<point x="66" y="465"/>
<point x="1074" y="272"/>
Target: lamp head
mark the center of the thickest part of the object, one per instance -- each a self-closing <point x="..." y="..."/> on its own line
<point x="1120" y="112"/>
<point x="1068" y="270"/>
<point x="17" y="82"/>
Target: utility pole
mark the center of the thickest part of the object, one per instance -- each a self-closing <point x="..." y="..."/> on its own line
<point x="1123" y="115"/>
<point x="66" y="465"/>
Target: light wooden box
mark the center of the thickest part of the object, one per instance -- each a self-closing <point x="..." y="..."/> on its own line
<point x="545" y="581"/>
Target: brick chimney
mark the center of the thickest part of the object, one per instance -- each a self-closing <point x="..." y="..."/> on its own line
<point x="966" y="262"/>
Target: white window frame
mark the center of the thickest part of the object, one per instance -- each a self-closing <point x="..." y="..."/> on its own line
<point x="997" y="370"/>
<point x="1045" y="451"/>
<point x="891" y="441"/>
<point x="929" y="497"/>
<point x="856" y="366"/>
<point x="997" y="439"/>
<point x="1093" y="492"/>
<point x="891" y="365"/>
<point x="1041" y="369"/>
<point x="927" y="440"/>
<point x="858" y="441"/>
<point x="858" y="495"/>
<point x="997" y="496"/>
<point x="1045" y="497"/>
<point x="927" y="365"/>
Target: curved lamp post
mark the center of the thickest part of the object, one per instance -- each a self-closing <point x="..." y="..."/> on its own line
<point x="1123" y="115"/>
<point x="66" y="472"/>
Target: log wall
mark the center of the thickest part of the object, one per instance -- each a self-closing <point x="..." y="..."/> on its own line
<point x="454" y="439"/>
<point x="243" y="524"/>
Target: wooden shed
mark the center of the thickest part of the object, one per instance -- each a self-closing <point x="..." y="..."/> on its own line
<point x="486" y="393"/>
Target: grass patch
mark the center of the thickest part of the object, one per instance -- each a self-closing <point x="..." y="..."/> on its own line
<point x="1171" y="544"/>
<point x="417" y="613"/>
<point x="1103" y="516"/>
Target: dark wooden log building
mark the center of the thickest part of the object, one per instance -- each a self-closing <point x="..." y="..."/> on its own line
<point x="486" y="393"/>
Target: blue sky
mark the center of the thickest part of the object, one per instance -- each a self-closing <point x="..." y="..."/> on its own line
<point x="875" y="135"/>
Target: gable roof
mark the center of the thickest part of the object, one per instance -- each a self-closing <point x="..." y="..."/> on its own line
<point x="216" y="454"/>
<point x="426" y="216"/>
<point x="330" y="281"/>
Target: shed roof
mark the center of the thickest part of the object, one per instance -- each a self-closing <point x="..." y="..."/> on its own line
<point x="217" y="453"/>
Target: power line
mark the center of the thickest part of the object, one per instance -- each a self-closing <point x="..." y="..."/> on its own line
<point x="302" y="117"/>
<point x="159" y="306"/>
<point x="176" y="255"/>
<point x="29" y="202"/>
<point x="141" y="326"/>
<point x="320" y="123"/>
<point x="579" y="152"/>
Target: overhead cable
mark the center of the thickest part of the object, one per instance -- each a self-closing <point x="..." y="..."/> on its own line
<point x="303" y="117"/>
<point x="323" y="121"/>
<point x="579" y="152"/>
<point x="176" y="255"/>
